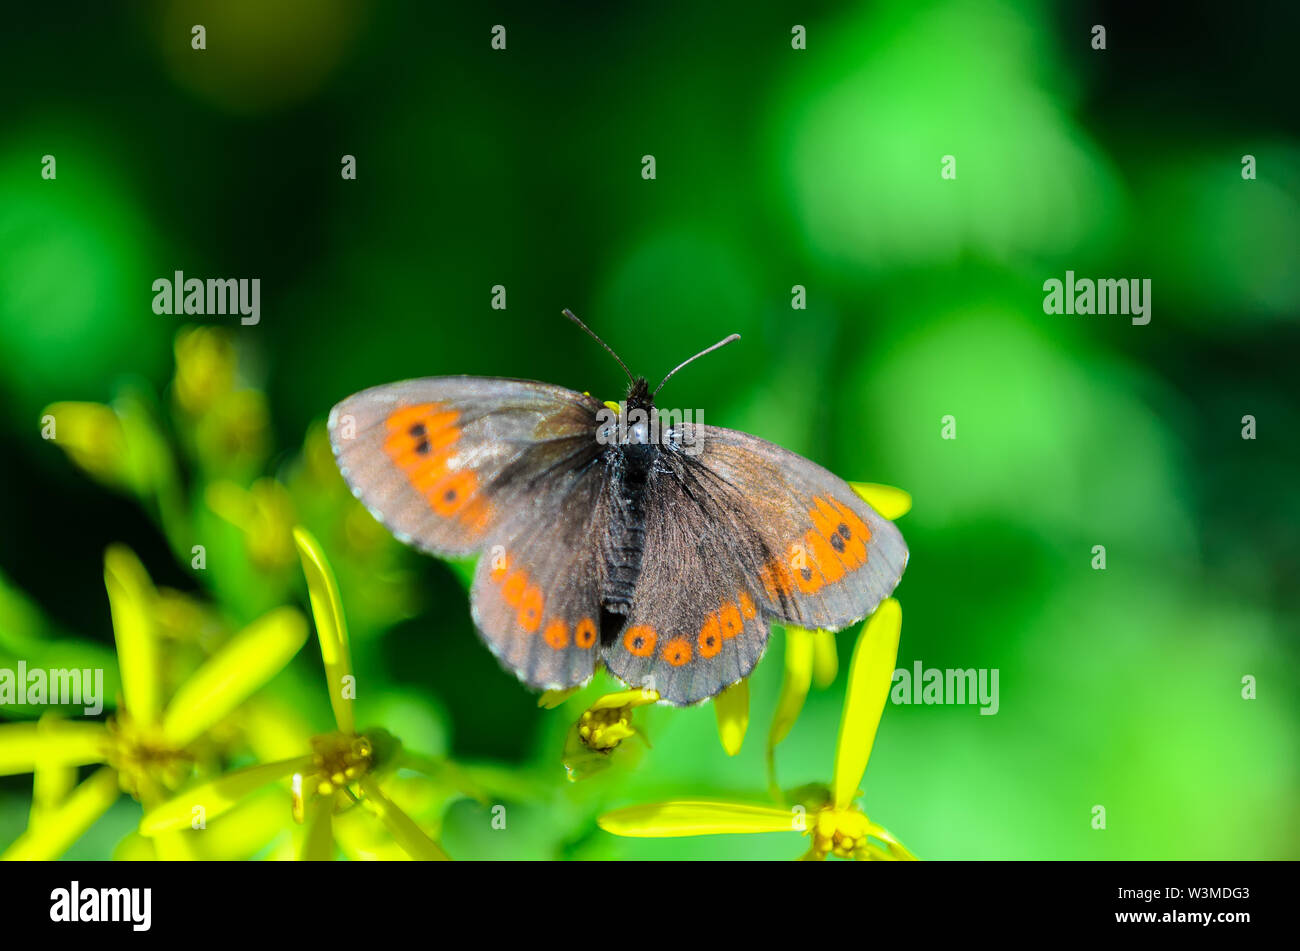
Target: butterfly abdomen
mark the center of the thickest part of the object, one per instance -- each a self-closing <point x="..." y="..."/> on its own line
<point x="625" y="542"/>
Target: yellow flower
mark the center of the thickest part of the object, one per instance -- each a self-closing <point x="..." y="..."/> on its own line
<point x="225" y="425"/>
<point x="93" y="437"/>
<point x="837" y="826"/>
<point x="145" y="746"/>
<point x="265" y="516"/>
<point x="600" y="730"/>
<point x="205" y="368"/>
<point x="234" y="435"/>
<point x="342" y="768"/>
<point x="120" y="445"/>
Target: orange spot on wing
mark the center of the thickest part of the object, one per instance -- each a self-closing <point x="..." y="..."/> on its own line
<point x="404" y="417"/>
<point x="851" y="548"/>
<point x="452" y="492"/>
<point x="677" y="651"/>
<point x="513" y="590"/>
<point x="444" y="438"/>
<point x="557" y="634"/>
<point x="710" y="639"/>
<point x="419" y="442"/>
<point x="807" y="577"/>
<point x="824" y="518"/>
<point x="417" y="435"/>
<point x="858" y="530"/>
<point x="476" y="516"/>
<point x="530" y="609"/>
<point x="640" y="640"/>
<point x="584" y="635"/>
<point x="428" y="475"/>
<point x="729" y="620"/>
<point x="746" y="605"/>
<point x="823" y="555"/>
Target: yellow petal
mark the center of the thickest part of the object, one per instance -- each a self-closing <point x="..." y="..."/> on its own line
<point x="826" y="658"/>
<point x="52" y="779"/>
<point x="24" y="745"/>
<point x="551" y="699"/>
<point x="211" y="799"/>
<point x="402" y="827"/>
<point x="897" y="850"/>
<point x="794" y="688"/>
<point x="263" y="513"/>
<point x="246" y="830"/>
<point x="870" y="673"/>
<point x="205" y="367"/>
<point x="331" y="626"/>
<point x="732" y="709"/>
<point x="890" y="502"/>
<point x="318" y="834"/>
<point x="625" y="698"/>
<point x="244" y="664"/>
<point x="175" y="847"/>
<point x="130" y="596"/>
<point x="92" y="435"/>
<point x="66" y="824"/>
<point x="697" y="817"/>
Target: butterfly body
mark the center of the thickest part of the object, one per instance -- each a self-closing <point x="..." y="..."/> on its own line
<point x="659" y="551"/>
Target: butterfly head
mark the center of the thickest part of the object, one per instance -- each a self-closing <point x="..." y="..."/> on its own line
<point x="639" y="395"/>
<point x="634" y="426"/>
<point x="629" y="425"/>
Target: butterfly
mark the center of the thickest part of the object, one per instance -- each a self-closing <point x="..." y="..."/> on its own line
<point x="662" y="550"/>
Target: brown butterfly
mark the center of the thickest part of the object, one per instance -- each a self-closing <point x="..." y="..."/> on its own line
<point x="660" y="548"/>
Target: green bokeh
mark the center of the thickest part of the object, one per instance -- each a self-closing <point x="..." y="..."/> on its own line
<point x="776" y="168"/>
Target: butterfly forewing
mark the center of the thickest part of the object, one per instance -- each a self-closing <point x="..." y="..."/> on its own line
<point x="504" y="468"/>
<point x="440" y="461"/>
<point x="827" y="557"/>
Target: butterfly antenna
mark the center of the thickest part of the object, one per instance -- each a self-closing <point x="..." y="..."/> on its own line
<point x="574" y="317"/>
<point x="721" y="343"/>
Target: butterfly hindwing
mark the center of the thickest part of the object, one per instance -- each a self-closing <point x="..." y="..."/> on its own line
<point x="746" y="523"/>
<point x="536" y="592"/>
<point x="695" y="625"/>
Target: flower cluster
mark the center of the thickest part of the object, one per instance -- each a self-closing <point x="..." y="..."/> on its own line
<point x="223" y="767"/>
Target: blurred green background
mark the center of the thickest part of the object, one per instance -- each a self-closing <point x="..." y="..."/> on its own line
<point x="775" y="167"/>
